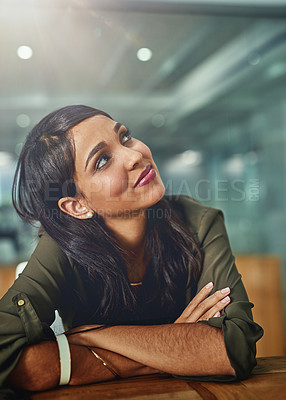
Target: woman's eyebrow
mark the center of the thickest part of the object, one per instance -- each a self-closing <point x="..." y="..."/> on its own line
<point x="100" y="145"/>
<point x="93" y="151"/>
<point x="117" y="126"/>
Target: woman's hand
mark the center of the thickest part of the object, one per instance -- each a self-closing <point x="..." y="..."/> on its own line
<point x="202" y="307"/>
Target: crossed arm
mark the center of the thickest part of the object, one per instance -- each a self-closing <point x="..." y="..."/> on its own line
<point x="182" y="348"/>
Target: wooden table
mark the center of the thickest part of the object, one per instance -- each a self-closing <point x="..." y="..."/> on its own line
<point x="268" y="381"/>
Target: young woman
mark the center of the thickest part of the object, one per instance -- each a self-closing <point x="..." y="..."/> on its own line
<point x="144" y="283"/>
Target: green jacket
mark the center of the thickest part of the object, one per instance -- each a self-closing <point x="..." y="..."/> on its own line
<point x="51" y="281"/>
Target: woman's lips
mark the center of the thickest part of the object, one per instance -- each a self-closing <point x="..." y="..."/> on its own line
<point x="146" y="176"/>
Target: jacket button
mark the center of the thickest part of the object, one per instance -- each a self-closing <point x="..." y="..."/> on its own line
<point x="21" y="302"/>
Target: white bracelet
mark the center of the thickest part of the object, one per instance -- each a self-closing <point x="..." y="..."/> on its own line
<point x="65" y="359"/>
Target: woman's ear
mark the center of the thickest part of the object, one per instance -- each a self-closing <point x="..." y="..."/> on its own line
<point x="74" y="207"/>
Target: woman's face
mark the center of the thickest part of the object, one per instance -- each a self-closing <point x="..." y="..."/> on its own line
<point x="114" y="172"/>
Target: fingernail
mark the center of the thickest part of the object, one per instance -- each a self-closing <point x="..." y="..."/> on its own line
<point x="217" y="314"/>
<point x="225" y="290"/>
<point x="209" y="285"/>
<point x="225" y="300"/>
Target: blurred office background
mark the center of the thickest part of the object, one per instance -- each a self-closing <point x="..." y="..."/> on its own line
<point x="203" y="83"/>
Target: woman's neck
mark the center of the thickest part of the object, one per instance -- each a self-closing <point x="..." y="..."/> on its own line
<point x="129" y="231"/>
<point x="130" y="234"/>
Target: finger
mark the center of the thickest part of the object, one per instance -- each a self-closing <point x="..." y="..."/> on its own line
<point x="218" y="296"/>
<point x="216" y="309"/>
<point x="203" y="293"/>
<point x="215" y="299"/>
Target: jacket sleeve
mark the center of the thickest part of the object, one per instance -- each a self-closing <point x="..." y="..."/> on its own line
<point x="236" y="321"/>
<point x="27" y="309"/>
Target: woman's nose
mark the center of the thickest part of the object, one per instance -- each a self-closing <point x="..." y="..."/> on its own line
<point x="132" y="158"/>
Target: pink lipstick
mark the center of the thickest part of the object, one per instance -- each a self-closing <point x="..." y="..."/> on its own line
<point x="146" y="176"/>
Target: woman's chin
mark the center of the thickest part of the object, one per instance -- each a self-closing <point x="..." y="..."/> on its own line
<point x="154" y="195"/>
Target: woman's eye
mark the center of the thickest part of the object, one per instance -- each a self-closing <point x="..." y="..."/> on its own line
<point x="126" y="136"/>
<point x="102" y="161"/>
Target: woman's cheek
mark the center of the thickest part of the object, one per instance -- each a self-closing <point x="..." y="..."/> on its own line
<point x="115" y="186"/>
